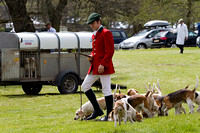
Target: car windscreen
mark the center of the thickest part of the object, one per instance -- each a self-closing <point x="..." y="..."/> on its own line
<point x="141" y="33"/>
<point x="115" y="34"/>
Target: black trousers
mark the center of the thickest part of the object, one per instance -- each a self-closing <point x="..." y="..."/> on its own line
<point x="181" y="47"/>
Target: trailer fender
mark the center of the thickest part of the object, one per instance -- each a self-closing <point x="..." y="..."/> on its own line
<point x="60" y="76"/>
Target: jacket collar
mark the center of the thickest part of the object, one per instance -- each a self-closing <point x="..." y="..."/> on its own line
<point x="99" y="31"/>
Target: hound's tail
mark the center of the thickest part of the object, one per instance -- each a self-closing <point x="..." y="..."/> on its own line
<point x="115" y="89"/>
<point x="158" y="84"/>
<point x="196" y="85"/>
<point x="146" y="87"/>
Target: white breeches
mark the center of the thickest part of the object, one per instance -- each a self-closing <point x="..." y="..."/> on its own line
<point x="105" y="82"/>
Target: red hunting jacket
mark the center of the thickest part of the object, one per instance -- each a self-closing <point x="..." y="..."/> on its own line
<point x="102" y="52"/>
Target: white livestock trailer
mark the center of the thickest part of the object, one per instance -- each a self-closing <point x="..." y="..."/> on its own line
<point x="36" y="59"/>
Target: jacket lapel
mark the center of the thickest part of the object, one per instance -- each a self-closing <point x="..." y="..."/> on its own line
<point x="98" y="32"/>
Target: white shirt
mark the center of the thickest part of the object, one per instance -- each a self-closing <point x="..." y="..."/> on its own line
<point x="182" y="33"/>
<point x="95" y="32"/>
<point x="51" y="30"/>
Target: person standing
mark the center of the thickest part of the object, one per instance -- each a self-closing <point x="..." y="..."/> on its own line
<point x="182" y="35"/>
<point x="49" y="27"/>
<point x="101" y="66"/>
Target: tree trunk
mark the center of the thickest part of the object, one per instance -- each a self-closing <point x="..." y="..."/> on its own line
<point x="189" y="15"/>
<point x="55" y="14"/>
<point x="20" y="18"/>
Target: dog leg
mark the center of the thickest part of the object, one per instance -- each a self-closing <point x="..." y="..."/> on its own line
<point x="183" y="109"/>
<point x="149" y="114"/>
<point x="190" y="105"/>
<point x="166" y="111"/>
<point x="131" y="119"/>
<point x="115" y="119"/>
<point x="119" y="119"/>
<point x="198" y="109"/>
<point x="177" y="110"/>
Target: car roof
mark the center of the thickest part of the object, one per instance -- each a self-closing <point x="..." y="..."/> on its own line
<point x="147" y="31"/>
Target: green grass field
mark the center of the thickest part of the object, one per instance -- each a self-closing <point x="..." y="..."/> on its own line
<point x="52" y="112"/>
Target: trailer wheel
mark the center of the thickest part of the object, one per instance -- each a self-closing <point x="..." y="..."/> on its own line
<point x="31" y="89"/>
<point x="69" y="84"/>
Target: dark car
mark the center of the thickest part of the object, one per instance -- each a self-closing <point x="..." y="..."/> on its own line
<point x="118" y="36"/>
<point x="168" y="39"/>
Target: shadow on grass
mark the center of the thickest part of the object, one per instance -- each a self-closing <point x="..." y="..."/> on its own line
<point x="44" y="94"/>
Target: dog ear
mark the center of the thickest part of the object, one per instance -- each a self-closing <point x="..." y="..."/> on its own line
<point x="136" y="91"/>
<point x="128" y="92"/>
<point x="138" y="117"/>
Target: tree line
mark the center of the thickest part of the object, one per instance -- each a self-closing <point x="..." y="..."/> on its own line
<point x="73" y="14"/>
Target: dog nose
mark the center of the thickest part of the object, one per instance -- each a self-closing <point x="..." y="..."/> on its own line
<point x="75" y="118"/>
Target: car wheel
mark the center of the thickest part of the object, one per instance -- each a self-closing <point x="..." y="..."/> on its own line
<point x="69" y="84"/>
<point x="32" y="89"/>
<point x="141" y="46"/>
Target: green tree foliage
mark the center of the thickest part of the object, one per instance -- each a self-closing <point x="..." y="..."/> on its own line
<point x="133" y="13"/>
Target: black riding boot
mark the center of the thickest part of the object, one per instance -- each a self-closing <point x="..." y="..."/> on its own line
<point x="109" y="106"/>
<point x="97" y="110"/>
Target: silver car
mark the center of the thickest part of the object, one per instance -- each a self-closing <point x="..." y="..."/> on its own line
<point x="142" y="40"/>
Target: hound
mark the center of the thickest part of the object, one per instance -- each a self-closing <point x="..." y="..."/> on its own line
<point x="124" y="111"/>
<point x="120" y="112"/>
<point x="132" y="92"/>
<point x="175" y="99"/>
<point x="140" y="102"/>
<point x="33" y="69"/>
<point x="87" y="109"/>
<point x="132" y="114"/>
<point x="118" y="96"/>
<point x="27" y="67"/>
<point x="197" y="100"/>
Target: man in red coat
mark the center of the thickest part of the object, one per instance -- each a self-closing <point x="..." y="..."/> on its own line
<point x="101" y="66"/>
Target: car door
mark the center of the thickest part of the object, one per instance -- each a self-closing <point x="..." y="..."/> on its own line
<point x="149" y="37"/>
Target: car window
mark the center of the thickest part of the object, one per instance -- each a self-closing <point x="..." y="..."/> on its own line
<point x="123" y="34"/>
<point x="116" y="34"/>
<point x="153" y="33"/>
<point x="190" y="33"/>
<point x="161" y="34"/>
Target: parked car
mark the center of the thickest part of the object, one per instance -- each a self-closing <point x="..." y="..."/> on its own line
<point x="141" y="40"/>
<point x="164" y="39"/>
<point x="198" y="41"/>
<point x="168" y="38"/>
<point x="118" y="36"/>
